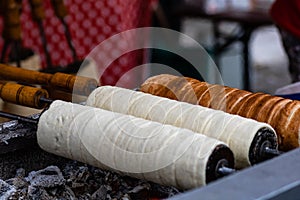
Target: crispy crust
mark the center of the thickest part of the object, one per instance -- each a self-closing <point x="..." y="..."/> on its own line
<point x="282" y="114"/>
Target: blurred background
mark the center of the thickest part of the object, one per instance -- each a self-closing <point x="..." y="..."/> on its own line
<point x="268" y="59"/>
<point x="268" y="62"/>
<point x="233" y="32"/>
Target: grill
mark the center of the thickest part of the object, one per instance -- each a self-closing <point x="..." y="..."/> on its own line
<point x="29" y="171"/>
<point x="274" y="179"/>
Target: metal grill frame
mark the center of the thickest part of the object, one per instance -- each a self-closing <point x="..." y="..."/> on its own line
<point x="276" y="179"/>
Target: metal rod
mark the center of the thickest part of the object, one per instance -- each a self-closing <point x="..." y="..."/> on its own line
<point x="44" y="43"/>
<point x="18" y="117"/>
<point x="46" y="100"/>
<point x="272" y="152"/>
<point x="69" y="39"/>
<point x="4" y="51"/>
<point x="224" y="171"/>
<point x="222" y="168"/>
<point x="17" y="45"/>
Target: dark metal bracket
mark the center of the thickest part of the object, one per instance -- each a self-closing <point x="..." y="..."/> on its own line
<point x="275" y="179"/>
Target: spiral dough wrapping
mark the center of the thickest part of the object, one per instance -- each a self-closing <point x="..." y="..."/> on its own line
<point x="282" y="114"/>
<point x="236" y="131"/>
<point x="128" y="145"/>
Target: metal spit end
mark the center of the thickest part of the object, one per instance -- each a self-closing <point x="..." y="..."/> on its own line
<point x="224" y="171"/>
<point x="222" y="168"/>
<point x="271" y="152"/>
<point x="46" y="100"/>
<point x="18" y="117"/>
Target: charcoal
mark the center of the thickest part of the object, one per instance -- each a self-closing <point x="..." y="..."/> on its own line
<point x="16" y="196"/>
<point x="140" y="192"/>
<point x="48" y="177"/>
<point x="77" y="181"/>
<point x="68" y="193"/>
<point x="85" y="197"/>
<point x="77" y="185"/>
<point x="126" y="197"/>
<point x="17" y="182"/>
<point x="37" y="193"/>
<point x="82" y="174"/>
<point x="160" y="191"/>
<point x="101" y="193"/>
<point x="20" y="173"/>
<point x="6" y="190"/>
<point x="65" y="193"/>
<point x="52" y="191"/>
<point x="93" y="185"/>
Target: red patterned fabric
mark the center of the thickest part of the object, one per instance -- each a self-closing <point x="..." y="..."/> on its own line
<point x="90" y="23"/>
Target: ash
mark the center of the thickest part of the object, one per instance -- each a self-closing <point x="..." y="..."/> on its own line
<point x="79" y="181"/>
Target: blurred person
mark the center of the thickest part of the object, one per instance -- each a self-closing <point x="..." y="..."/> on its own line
<point x="286" y="15"/>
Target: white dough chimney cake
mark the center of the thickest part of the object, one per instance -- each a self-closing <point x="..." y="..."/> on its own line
<point x="132" y="146"/>
<point x="245" y="137"/>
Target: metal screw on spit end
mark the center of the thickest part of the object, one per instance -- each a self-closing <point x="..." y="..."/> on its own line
<point x="222" y="168"/>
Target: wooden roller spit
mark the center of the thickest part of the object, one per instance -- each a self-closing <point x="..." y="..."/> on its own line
<point x="23" y="95"/>
<point x="37" y="9"/>
<point x="59" y="8"/>
<point x="34" y="97"/>
<point x="248" y="139"/>
<point x="132" y="146"/>
<point x="61" y="12"/>
<point x="66" y="82"/>
<point x="11" y="19"/>
<point x="282" y="114"/>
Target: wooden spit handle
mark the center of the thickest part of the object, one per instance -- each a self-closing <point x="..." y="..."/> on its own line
<point x="23" y="95"/>
<point x="74" y="84"/>
<point x="59" y="8"/>
<point x="37" y="10"/>
<point x="11" y="19"/>
<point x="60" y="81"/>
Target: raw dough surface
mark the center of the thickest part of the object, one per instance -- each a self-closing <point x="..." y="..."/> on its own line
<point x="236" y="131"/>
<point x="133" y="146"/>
